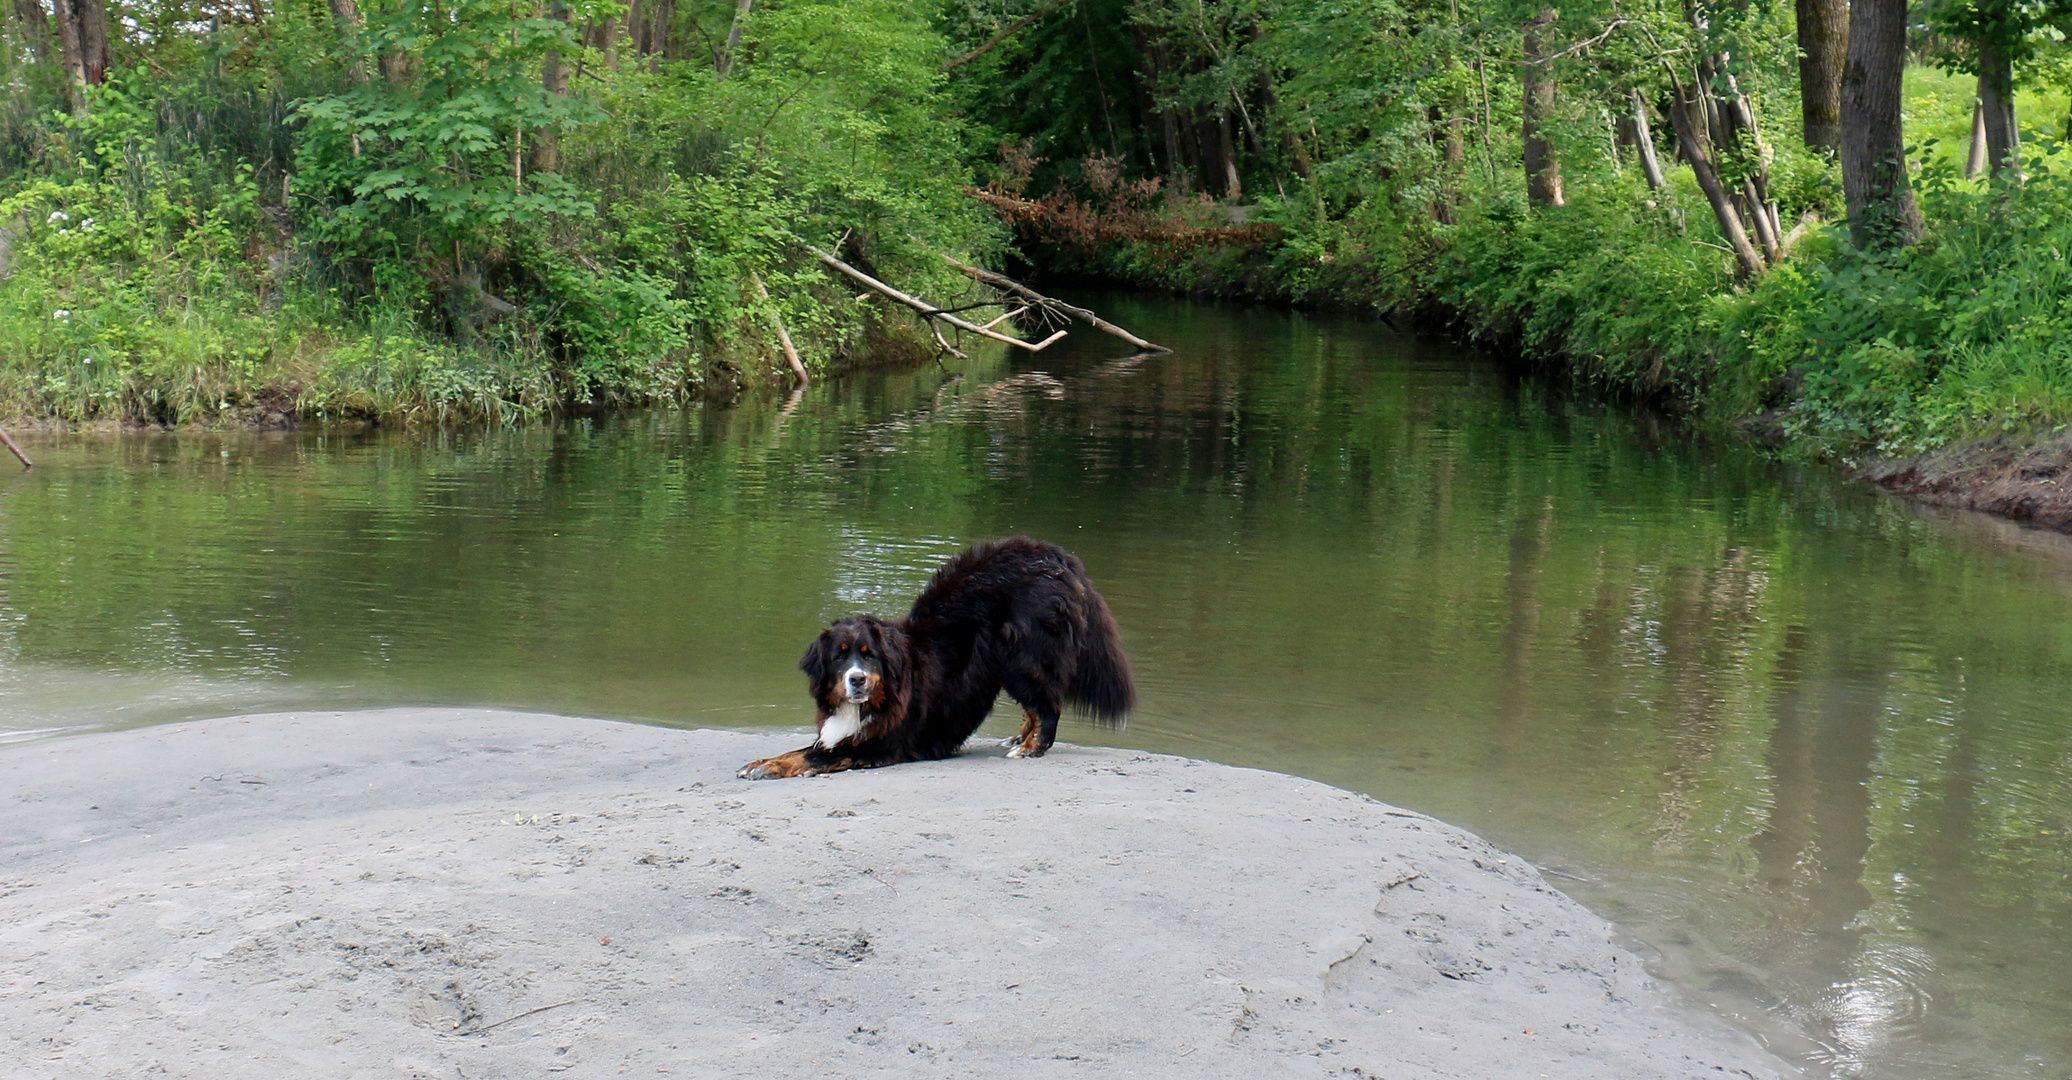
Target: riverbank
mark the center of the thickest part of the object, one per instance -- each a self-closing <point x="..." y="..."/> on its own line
<point x="1937" y="371"/>
<point x="2022" y="480"/>
<point x="420" y="891"/>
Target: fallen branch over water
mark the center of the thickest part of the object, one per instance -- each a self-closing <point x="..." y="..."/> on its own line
<point x="1009" y="285"/>
<point x="927" y="310"/>
<point x="5" y="438"/>
<point x="791" y="352"/>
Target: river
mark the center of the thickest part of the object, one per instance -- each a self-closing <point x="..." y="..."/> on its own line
<point x="1810" y="745"/>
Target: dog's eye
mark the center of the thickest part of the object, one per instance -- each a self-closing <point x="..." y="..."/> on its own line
<point x="866" y="650"/>
<point x="844" y="648"/>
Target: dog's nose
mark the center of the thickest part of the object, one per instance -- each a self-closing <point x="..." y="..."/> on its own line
<point x="857" y="679"/>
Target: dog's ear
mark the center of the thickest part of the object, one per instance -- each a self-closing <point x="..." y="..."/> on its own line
<point x="895" y="662"/>
<point x="815" y="663"/>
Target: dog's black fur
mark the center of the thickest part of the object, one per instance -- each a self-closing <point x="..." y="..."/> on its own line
<point x="1017" y="615"/>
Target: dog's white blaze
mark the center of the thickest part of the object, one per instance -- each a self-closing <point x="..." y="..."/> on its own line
<point x="843" y="725"/>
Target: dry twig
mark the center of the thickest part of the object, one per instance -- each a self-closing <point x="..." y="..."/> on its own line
<point x="520" y="1016"/>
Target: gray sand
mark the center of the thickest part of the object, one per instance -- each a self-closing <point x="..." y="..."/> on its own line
<point x="461" y="893"/>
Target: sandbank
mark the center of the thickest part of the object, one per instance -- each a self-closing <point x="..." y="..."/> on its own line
<point x="479" y="894"/>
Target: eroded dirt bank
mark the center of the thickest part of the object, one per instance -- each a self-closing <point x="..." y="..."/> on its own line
<point x="463" y="893"/>
<point x="2029" y="482"/>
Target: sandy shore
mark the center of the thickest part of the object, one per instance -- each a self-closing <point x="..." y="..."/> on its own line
<point x="459" y="893"/>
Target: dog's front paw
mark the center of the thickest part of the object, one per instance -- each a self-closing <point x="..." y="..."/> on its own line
<point x="781" y="767"/>
<point x="1024" y="749"/>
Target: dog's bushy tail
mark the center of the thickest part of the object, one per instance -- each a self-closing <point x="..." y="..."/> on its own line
<point x="1101" y="678"/>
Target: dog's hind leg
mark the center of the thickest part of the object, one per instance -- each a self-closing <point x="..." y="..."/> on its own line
<point x="1029" y="735"/>
<point x="1039" y="731"/>
<point x="1040" y="706"/>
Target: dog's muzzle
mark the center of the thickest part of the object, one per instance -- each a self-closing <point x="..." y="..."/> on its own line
<point x="856" y="682"/>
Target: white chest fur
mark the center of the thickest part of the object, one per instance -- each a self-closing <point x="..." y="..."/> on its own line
<point x="845" y="724"/>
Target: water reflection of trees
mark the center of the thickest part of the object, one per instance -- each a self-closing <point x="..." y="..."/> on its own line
<point x="1759" y="690"/>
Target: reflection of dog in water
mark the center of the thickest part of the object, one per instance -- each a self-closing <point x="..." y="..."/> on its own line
<point x="1017" y="615"/>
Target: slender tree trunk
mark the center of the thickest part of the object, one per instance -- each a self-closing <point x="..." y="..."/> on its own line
<point x="394" y="62"/>
<point x="1687" y="115"/>
<point x="345" y="15"/>
<point x="636" y="26"/>
<point x="1298" y="154"/>
<point x="1823" y="39"/>
<point x="1542" y="166"/>
<point x="1882" y="210"/>
<point x="1975" y="159"/>
<point x="1996" y="101"/>
<point x="1757" y="210"/>
<point x="726" y="56"/>
<point x="70" y="55"/>
<point x="663" y="44"/>
<point x="1447" y="139"/>
<point x="1233" y="188"/>
<point x="1644" y="139"/>
<point x="93" y="39"/>
<point x="35" y="28"/>
<point x="546" y="147"/>
<point x="1169" y="126"/>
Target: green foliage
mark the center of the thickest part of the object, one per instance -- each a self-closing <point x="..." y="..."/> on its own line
<point x="439" y="159"/>
<point x="1599" y="283"/>
<point x="409" y="217"/>
<point x="1961" y="335"/>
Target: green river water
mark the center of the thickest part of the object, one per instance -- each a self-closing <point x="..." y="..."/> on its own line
<point x="1811" y="745"/>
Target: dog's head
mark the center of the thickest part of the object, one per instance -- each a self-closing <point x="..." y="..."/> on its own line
<point x="855" y="661"/>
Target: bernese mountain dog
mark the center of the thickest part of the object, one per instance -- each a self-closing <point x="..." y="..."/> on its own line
<point x="1017" y="615"/>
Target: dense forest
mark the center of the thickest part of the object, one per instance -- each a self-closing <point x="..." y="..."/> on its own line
<point x="1847" y="220"/>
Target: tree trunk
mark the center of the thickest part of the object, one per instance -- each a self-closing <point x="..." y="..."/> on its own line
<point x="1874" y="167"/>
<point x="1542" y="166"/>
<point x="35" y="24"/>
<point x="1975" y="158"/>
<point x="70" y="56"/>
<point x="395" y="62"/>
<point x="93" y="39"/>
<point x="662" y="42"/>
<point x="726" y="57"/>
<point x="1687" y="115"/>
<point x="546" y="147"/>
<point x="1233" y="188"/>
<point x="1757" y="210"/>
<point x="1298" y="154"/>
<point x="1447" y="139"/>
<point x="345" y="15"/>
<point x="1996" y="101"/>
<point x="1644" y="139"/>
<point x="1823" y="39"/>
<point x="636" y="27"/>
<point x="608" y="36"/>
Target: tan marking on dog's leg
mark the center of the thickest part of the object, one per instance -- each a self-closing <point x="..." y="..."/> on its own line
<point x="1030" y="742"/>
<point x="781" y="767"/>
